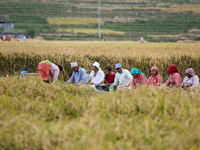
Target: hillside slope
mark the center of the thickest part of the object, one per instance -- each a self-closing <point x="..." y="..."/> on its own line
<point x="135" y="18"/>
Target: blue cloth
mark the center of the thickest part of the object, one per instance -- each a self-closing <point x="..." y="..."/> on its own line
<point x="78" y="77"/>
<point x="24" y="71"/>
<point x="118" y="66"/>
<point x="104" y="88"/>
<point x="136" y="71"/>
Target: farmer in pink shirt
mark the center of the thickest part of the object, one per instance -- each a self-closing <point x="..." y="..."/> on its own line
<point x="175" y="78"/>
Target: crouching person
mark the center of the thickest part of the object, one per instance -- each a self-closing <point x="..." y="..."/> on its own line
<point x="123" y="77"/>
<point x="78" y="75"/>
<point x="109" y="78"/>
<point x="191" y="80"/>
<point x="48" y="71"/>
<point x="96" y="76"/>
<point x="139" y="78"/>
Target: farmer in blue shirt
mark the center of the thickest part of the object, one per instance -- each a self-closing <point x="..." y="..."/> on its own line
<point x="79" y="74"/>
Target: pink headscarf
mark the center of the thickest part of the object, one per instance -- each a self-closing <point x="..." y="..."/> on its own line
<point x="155" y="68"/>
<point x="190" y="71"/>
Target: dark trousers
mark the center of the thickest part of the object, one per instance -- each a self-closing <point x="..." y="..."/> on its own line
<point x="104" y="88"/>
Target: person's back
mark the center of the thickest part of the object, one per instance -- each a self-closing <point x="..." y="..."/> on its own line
<point x="24" y="38"/>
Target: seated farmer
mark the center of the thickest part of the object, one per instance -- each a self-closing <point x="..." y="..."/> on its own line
<point x="155" y="79"/>
<point x="48" y="70"/>
<point x="79" y="74"/>
<point x="175" y="78"/>
<point x="97" y="75"/>
<point x="191" y="80"/>
<point x="109" y="78"/>
<point x="139" y="78"/>
<point x="123" y="77"/>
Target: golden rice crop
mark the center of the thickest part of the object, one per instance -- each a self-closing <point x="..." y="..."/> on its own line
<point x="73" y="21"/>
<point x="35" y="115"/>
<point x="16" y="55"/>
<point x="91" y="31"/>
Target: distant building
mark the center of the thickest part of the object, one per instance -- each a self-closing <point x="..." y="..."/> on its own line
<point x="7" y="25"/>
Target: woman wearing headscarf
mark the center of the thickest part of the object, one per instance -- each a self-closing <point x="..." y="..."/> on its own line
<point x="139" y="78"/>
<point x="175" y="78"/>
<point x="97" y="75"/>
<point x="191" y="80"/>
<point x="155" y="79"/>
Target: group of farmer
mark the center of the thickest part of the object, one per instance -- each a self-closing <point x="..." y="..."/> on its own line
<point x="123" y="78"/>
<point x="8" y="38"/>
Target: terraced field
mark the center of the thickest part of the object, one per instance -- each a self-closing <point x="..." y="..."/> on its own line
<point x="135" y="18"/>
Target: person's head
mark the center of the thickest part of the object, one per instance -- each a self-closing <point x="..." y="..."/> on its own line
<point x="108" y="70"/>
<point x="101" y="37"/>
<point x="172" y="69"/>
<point x="154" y="71"/>
<point x="74" y="66"/>
<point x="118" y="68"/>
<point x="22" y="36"/>
<point x="189" y="72"/>
<point x="60" y="68"/>
<point x="135" y="72"/>
<point x="95" y="66"/>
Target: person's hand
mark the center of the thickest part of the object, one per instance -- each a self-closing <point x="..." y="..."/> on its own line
<point x="102" y="82"/>
<point x="92" y="83"/>
<point x="88" y="71"/>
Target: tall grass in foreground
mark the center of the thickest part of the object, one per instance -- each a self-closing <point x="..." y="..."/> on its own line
<point x="35" y="115"/>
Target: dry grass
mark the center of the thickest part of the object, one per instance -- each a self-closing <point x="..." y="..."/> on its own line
<point x="16" y="55"/>
<point x="161" y="36"/>
<point x="73" y="21"/>
<point x="35" y="115"/>
<point x="91" y="31"/>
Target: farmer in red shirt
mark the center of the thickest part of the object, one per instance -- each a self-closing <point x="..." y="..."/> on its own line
<point x="109" y="78"/>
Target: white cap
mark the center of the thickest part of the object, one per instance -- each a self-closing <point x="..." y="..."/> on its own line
<point x="96" y="64"/>
<point x="74" y="64"/>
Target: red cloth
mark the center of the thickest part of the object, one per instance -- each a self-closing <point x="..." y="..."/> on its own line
<point x="174" y="78"/>
<point x="141" y="79"/>
<point x="44" y="71"/>
<point x="155" y="80"/>
<point x="110" y="78"/>
<point x="173" y="69"/>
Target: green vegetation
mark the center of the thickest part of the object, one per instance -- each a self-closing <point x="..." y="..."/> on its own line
<point x="133" y="22"/>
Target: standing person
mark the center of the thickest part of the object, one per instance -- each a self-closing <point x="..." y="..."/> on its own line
<point x="24" y="37"/>
<point x="96" y="76"/>
<point x="155" y="79"/>
<point x="139" y="78"/>
<point x="191" y="80"/>
<point x="79" y="74"/>
<point x="48" y="71"/>
<point x="110" y="77"/>
<point x="9" y="37"/>
<point x="142" y="40"/>
<point x="175" y="78"/>
<point x="103" y="39"/>
<point x="123" y="77"/>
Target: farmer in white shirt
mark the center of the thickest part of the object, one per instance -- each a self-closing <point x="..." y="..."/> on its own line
<point x="191" y="80"/>
<point x="123" y="77"/>
<point x="96" y="76"/>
